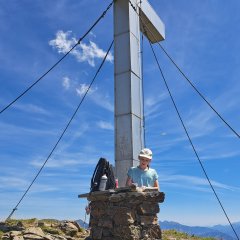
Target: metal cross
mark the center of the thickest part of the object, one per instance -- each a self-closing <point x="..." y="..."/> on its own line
<point x="128" y="22"/>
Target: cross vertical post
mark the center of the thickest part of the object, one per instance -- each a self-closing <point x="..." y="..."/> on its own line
<point x="128" y="110"/>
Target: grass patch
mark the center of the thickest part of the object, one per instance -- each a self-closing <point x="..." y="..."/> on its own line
<point x="52" y="230"/>
<point x="25" y="222"/>
<point x="50" y="221"/>
<point x="173" y="234"/>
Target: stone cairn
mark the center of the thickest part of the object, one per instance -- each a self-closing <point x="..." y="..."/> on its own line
<point x="127" y="213"/>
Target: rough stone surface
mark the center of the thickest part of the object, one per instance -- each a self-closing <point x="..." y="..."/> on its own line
<point x="69" y="228"/>
<point x="34" y="230"/>
<point x="42" y="230"/>
<point x="148" y="220"/>
<point x="17" y="238"/>
<point x="127" y="215"/>
<point x="145" y="208"/>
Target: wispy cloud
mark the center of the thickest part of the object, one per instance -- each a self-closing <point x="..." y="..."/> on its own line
<point x="83" y="52"/>
<point x="12" y="182"/>
<point x="103" y="101"/>
<point x="31" y="108"/>
<point x="66" y="83"/>
<point x="59" y="163"/>
<point x="105" y="125"/>
<point x="100" y="99"/>
<point x="65" y="160"/>
<point x="220" y="155"/>
<point x="20" y="184"/>
<point x="90" y="52"/>
<point x="200" y="122"/>
<point x="193" y="182"/>
<point x="78" y="133"/>
<point x="82" y="89"/>
<point x="13" y="130"/>
<point x="92" y="34"/>
<point x="152" y="105"/>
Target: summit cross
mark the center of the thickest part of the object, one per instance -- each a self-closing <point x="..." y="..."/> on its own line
<point x="130" y="18"/>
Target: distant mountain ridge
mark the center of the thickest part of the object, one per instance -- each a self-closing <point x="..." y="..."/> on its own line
<point x="228" y="230"/>
<point x="82" y="223"/>
<point x="219" y="231"/>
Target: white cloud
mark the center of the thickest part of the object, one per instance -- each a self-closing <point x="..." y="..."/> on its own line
<point x="81" y="90"/>
<point x="62" y="43"/>
<point x="66" y="83"/>
<point x="83" y="52"/>
<point x="102" y="100"/>
<point x="90" y="52"/>
<point x="105" y="125"/>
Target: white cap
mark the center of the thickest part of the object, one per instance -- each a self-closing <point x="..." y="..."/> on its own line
<point x="146" y="153"/>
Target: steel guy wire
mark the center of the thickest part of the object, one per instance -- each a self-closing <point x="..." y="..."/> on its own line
<point x="184" y="75"/>
<point x="190" y="140"/>
<point x="62" y="134"/>
<point x="144" y="25"/>
<point x="50" y="69"/>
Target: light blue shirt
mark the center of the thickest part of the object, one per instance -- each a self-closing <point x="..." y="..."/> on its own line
<point x="143" y="177"/>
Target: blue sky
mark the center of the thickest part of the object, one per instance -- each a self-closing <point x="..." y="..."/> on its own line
<point x="204" y="39"/>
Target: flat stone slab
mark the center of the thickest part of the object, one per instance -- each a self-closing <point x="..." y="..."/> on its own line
<point x="118" y="190"/>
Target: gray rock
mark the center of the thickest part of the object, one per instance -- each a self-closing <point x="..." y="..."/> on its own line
<point x="56" y="237"/>
<point x="32" y="236"/>
<point x="6" y="236"/>
<point x="34" y="231"/>
<point x="15" y="233"/>
<point x="69" y="228"/>
<point x="17" y="238"/>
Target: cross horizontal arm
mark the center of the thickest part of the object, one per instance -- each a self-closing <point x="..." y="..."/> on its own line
<point x="151" y="24"/>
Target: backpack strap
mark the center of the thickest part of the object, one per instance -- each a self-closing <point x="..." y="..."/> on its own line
<point x="111" y="184"/>
<point x="100" y="170"/>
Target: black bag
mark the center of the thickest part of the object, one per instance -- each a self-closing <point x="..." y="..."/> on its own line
<point x="111" y="183"/>
<point x="103" y="167"/>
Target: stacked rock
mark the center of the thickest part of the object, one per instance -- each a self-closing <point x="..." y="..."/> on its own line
<point x="128" y="215"/>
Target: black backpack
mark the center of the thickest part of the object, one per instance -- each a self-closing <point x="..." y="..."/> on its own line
<point x="103" y="167"/>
